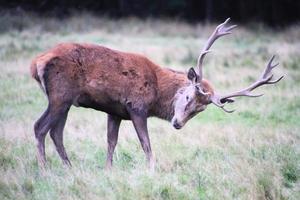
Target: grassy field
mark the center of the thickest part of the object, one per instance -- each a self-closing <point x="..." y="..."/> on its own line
<point x="253" y="153"/>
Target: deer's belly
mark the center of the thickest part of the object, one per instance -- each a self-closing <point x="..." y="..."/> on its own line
<point x="102" y="104"/>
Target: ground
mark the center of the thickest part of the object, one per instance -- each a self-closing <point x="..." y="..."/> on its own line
<point x="253" y="153"/>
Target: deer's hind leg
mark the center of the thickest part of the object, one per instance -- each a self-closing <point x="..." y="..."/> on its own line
<point x="56" y="134"/>
<point x="52" y="118"/>
<point x="41" y="127"/>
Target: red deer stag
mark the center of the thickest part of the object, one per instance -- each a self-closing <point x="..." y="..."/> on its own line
<point x="127" y="87"/>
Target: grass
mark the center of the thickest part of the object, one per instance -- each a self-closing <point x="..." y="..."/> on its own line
<point x="253" y="153"/>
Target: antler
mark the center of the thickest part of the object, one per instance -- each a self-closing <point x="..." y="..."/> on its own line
<point x="220" y="31"/>
<point x="265" y="79"/>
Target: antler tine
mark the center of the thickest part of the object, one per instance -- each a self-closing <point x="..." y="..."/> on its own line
<point x="223" y="108"/>
<point x="269" y="67"/>
<point x="275" y="81"/>
<point x="220" y="30"/>
<point x="219" y="104"/>
<point x="226" y="29"/>
<point x="228" y="111"/>
<point x="265" y="79"/>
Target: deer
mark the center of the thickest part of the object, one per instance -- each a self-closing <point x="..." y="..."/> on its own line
<point x="126" y="86"/>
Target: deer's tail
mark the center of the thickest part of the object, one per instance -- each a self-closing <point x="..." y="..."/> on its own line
<point x="37" y="69"/>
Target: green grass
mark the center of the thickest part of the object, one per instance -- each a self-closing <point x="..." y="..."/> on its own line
<point x="253" y="153"/>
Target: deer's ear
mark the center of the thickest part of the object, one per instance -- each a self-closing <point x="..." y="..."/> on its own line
<point x="192" y="75"/>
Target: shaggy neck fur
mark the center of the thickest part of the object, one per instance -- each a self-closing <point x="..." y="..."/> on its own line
<point x="169" y="83"/>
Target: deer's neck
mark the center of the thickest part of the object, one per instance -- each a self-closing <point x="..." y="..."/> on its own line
<point x="169" y="82"/>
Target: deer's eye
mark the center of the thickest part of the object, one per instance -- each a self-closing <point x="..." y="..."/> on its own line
<point x="187" y="98"/>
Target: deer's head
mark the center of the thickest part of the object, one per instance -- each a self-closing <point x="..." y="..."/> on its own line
<point x="195" y="97"/>
<point x="191" y="100"/>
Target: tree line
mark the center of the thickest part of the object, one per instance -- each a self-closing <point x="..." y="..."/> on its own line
<point x="272" y="12"/>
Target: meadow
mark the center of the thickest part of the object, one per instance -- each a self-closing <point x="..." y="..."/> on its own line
<point x="253" y="153"/>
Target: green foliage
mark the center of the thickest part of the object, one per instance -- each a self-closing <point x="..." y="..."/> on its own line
<point x="290" y="173"/>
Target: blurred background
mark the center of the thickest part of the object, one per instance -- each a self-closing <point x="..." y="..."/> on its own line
<point x="271" y="12"/>
<point x="253" y="153"/>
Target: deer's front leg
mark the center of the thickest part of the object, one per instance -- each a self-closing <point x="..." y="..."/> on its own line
<point x="113" y="124"/>
<point x="140" y="124"/>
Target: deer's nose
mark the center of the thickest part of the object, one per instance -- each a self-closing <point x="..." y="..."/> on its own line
<point x="176" y="124"/>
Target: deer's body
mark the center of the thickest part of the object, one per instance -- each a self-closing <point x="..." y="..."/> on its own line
<point x="124" y="85"/>
<point x="97" y="77"/>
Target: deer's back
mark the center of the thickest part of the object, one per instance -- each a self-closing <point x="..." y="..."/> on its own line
<point x="99" y="77"/>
